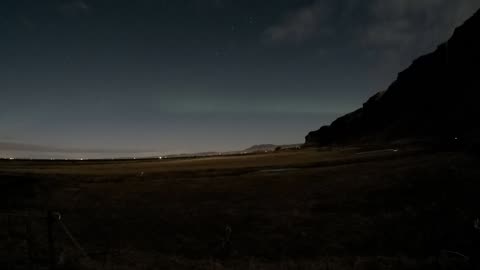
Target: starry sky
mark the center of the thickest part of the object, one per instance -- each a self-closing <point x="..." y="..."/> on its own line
<point x="180" y="76"/>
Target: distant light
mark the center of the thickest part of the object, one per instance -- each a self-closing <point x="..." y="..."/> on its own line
<point x="456" y="138"/>
<point x="81" y="159"/>
<point x="11" y="158"/>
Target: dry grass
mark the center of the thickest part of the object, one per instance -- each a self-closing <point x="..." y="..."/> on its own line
<point x="374" y="211"/>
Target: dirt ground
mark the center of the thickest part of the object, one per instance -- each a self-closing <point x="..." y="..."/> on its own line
<point x="349" y="208"/>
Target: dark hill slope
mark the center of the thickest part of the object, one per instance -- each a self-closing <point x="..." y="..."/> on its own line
<point x="436" y="97"/>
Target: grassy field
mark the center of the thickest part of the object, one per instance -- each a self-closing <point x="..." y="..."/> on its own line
<point x="349" y="208"/>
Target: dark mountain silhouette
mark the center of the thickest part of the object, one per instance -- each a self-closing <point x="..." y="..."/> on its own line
<point x="270" y="148"/>
<point x="261" y="148"/>
<point x="435" y="98"/>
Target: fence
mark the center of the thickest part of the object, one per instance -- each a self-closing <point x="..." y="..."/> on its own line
<point x="37" y="241"/>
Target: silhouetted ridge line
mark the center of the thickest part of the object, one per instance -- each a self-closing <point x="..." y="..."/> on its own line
<point x="434" y="98"/>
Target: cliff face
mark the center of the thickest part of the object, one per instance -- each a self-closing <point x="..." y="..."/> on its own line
<point x="435" y="97"/>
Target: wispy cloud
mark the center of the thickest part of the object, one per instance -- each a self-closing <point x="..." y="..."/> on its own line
<point x="389" y="32"/>
<point x="374" y="23"/>
<point x="397" y="31"/>
<point x="414" y="23"/>
<point x="74" y="8"/>
<point x="301" y="25"/>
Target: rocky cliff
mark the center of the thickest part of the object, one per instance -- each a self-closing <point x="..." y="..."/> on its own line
<point x="436" y="97"/>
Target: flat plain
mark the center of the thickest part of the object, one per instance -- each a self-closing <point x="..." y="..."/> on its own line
<point x="330" y="208"/>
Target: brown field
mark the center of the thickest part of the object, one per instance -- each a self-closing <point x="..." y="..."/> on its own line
<point x="309" y="209"/>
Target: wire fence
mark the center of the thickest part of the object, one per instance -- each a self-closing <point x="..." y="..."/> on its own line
<point x="37" y="241"/>
<point x="44" y="241"/>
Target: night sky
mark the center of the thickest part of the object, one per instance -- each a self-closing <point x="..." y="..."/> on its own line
<point x="199" y="75"/>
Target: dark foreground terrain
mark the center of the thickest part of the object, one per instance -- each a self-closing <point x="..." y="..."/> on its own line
<point x="349" y="208"/>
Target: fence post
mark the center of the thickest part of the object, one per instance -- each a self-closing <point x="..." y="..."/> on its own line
<point x="9" y="245"/>
<point x="28" y="228"/>
<point x="51" y="247"/>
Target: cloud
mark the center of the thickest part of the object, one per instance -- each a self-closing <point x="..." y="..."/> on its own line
<point x="301" y="25"/>
<point x="74" y="8"/>
<point x="396" y="32"/>
<point x="418" y="24"/>
<point x="389" y="34"/>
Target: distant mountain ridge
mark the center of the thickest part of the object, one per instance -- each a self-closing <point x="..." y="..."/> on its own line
<point x="261" y="148"/>
<point x="270" y="147"/>
<point x="436" y="97"/>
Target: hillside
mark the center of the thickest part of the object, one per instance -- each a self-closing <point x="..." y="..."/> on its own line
<point x="260" y="148"/>
<point x="434" y="99"/>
